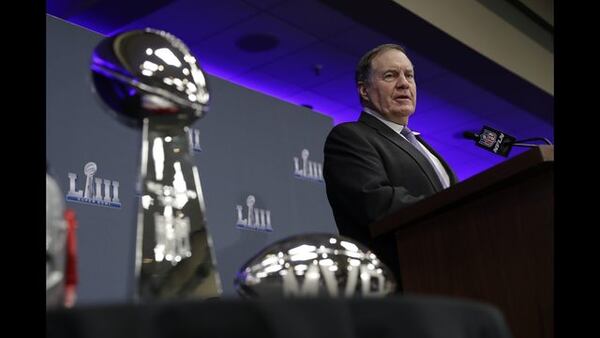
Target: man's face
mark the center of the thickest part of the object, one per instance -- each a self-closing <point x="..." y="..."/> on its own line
<point x="391" y="89"/>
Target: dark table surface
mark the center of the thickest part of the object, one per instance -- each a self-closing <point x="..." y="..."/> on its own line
<point x="397" y="316"/>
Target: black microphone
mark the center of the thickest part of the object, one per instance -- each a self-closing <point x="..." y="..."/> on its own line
<point x="492" y="140"/>
<point x="499" y="142"/>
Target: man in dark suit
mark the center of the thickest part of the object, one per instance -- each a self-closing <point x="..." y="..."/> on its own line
<point x="376" y="165"/>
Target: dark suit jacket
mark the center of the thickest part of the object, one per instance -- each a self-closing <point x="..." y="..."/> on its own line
<point x="370" y="171"/>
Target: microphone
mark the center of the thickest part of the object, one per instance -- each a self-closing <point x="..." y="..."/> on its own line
<point x="492" y="140"/>
<point x="499" y="142"/>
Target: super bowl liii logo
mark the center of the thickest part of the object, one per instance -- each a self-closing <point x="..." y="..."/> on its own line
<point x="255" y="218"/>
<point x="92" y="192"/>
<point x="308" y="170"/>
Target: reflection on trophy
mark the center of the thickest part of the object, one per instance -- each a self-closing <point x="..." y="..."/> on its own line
<point x="151" y="80"/>
<point x="315" y="265"/>
<point x="56" y="244"/>
<point x="61" y="256"/>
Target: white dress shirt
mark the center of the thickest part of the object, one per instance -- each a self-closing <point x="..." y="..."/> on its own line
<point x="432" y="158"/>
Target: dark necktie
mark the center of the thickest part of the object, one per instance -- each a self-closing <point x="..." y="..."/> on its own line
<point x="410" y="136"/>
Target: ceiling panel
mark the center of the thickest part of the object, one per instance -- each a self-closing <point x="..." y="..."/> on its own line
<point x="312" y="17"/>
<point x="267" y="84"/>
<point x="315" y="64"/>
<point x="265" y="4"/>
<point x="358" y="40"/>
<point x="100" y="15"/>
<point x="318" y="102"/>
<point x="195" y="20"/>
<point x="450" y="88"/>
<point x="342" y="89"/>
<point x="425" y="69"/>
<point x="221" y="51"/>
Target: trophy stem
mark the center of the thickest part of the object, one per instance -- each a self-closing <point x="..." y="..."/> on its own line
<point x="174" y="251"/>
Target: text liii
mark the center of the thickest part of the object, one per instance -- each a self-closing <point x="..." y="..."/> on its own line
<point x="96" y="190"/>
<point x="253" y="218"/>
<point x="307" y="169"/>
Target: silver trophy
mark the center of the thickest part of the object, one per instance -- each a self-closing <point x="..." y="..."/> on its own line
<point x="315" y="265"/>
<point x="151" y="80"/>
<point x="56" y="244"/>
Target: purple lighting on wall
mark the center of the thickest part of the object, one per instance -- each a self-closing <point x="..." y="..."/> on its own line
<point x="277" y="54"/>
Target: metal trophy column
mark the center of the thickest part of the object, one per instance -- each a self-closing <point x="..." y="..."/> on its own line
<point x="151" y="80"/>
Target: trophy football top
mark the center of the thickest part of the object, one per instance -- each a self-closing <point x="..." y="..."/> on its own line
<point x="149" y="73"/>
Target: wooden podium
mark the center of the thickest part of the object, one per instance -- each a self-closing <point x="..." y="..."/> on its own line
<point x="488" y="238"/>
